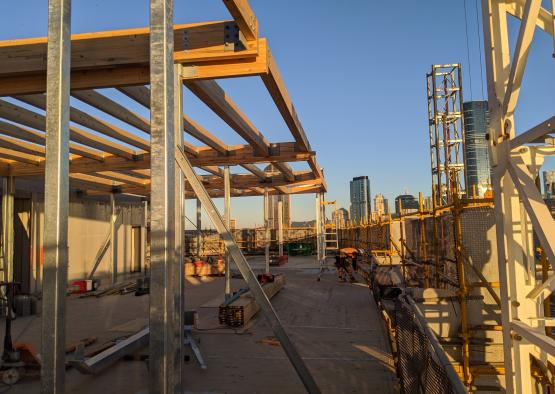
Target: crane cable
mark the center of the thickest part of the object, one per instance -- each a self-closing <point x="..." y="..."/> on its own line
<point x="467" y="49"/>
<point x="479" y="49"/>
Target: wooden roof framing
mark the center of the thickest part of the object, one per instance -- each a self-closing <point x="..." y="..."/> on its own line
<point x="107" y="157"/>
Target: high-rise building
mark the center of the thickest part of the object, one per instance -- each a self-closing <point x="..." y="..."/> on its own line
<point x="379" y="204"/>
<point x="360" y="199"/>
<point x="408" y="202"/>
<point x="341" y="217"/>
<point x="477" y="167"/>
<point x="273" y="214"/>
<point x="549" y="184"/>
<point x="273" y="205"/>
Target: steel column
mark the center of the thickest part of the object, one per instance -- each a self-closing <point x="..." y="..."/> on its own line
<point x="56" y="191"/>
<point x="247" y="273"/>
<point x="113" y="239"/>
<point x="227" y="219"/>
<point x="35" y="244"/>
<point x="318" y="228"/>
<point x="177" y="269"/>
<point x="8" y="192"/>
<point x="199" y="228"/>
<point x="164" y="352"/>
<point x="280" y="224"/>
<point x="267" y="228"/>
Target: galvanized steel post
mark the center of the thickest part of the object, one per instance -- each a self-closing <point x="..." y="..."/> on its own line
<point x="177" y="270"/>
<point x="280" y="224"/>
<point x="56" y="191"/>
<point x="164" y="339"/>
<point x="199" y="228"/>
<point x="8" y="192"/>
<point x="267" y="230"/>
<point x="113" y="239"/>
<point x="227" y="219"/>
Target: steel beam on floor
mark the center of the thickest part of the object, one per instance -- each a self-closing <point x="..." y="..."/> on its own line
<point x="8" y="192"/>
<point x="247" y="273"/>
<point x="164" y="352"/>
<point x="56" y="191"/>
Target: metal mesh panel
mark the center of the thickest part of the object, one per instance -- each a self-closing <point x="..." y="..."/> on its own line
<point x="419" y="371"/>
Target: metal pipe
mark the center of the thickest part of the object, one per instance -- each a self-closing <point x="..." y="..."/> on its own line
<point x="267" y="228"/>
<point x="463" y="289"/>
<point x="227" y="219"/>
<point x="56" y="192"/>
<point x="199" y="228"/>
<point x="164" y="352"/>
<point x="179" y="217"/>
<point x="8" y="192"/>
<point x="280" y="224"/>
<point x="113" y="239"/>
<point x="318" y="228"/>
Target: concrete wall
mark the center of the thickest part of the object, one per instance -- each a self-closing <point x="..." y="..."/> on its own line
<point x="89" y="224"/>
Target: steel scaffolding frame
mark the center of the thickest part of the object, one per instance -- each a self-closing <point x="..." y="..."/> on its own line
<point x="521" y="214"/>
<point x="446" y="125"/>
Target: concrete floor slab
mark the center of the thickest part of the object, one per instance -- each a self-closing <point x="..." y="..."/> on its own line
<point x="336" y="327"/>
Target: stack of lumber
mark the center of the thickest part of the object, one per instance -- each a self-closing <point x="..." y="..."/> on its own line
<point x="241" y="311"/>
<point x="214" y="314"/>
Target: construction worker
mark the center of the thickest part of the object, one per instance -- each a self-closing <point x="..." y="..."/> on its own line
<point x="344" y="266"/>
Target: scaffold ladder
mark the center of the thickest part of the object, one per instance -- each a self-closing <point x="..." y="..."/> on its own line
<point x="331" y="239"/>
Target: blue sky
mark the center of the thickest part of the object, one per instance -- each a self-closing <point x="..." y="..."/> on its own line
<point x="355" y="71"/>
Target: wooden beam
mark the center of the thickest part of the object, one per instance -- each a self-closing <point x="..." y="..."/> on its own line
<point x="32" y="119"/>
<point x="255" y="170"/>
<point x="278" y="91"/>
<point x="200" y="133"/>
<point x="22" y="146"/>
<point x="141" y="94"/>
<point x="195" y="42"/>
<point x="11" y="85"/>
<point x="15" y="155"/>
<point x="244" y="16"/>
<point x="286" y="170"/>
<point x="92" y="122"/>
<point x="38" y="137"/>
<point x="217" y="100"/>
<point x="238" y="155"/>
<point x="109" y="106"/>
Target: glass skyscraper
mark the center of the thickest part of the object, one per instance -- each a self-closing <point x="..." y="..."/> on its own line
<point x="360" y="199"/>
<point x="477" y="167"/>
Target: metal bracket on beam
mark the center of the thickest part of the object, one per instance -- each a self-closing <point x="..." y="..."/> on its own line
<point x="234" y="40"/>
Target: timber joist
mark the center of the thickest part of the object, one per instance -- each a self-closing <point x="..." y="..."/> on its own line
<point x="110" y="144"/>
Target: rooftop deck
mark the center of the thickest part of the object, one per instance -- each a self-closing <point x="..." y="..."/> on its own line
<point x="336" y="327"/>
